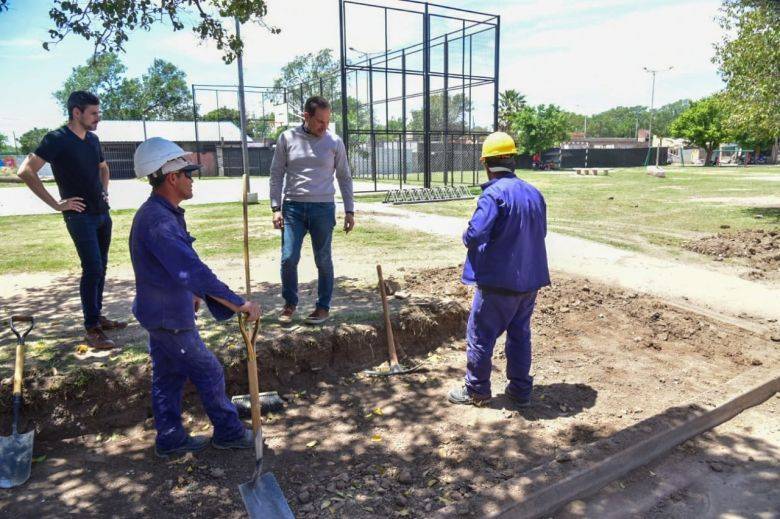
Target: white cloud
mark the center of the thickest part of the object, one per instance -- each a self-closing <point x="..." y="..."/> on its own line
<point x="599" y="65"/>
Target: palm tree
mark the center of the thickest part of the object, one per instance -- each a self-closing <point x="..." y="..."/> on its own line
<point x="509" y="102"/>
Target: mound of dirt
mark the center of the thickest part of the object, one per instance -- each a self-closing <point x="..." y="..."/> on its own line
<point x="759" y="248"/>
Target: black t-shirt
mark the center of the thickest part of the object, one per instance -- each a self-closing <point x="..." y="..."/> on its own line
<point x="75" y="163"/>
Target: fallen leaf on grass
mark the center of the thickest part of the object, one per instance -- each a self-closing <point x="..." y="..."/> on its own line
<point x="432" y="482"/>
<point x="325" y="504"/>
<point x="81" y="349"/>
<point x="312" y="444"/>
<point x="39" y="459"/>
<point x="378" y="411"/>
<point x="376" y="438"/>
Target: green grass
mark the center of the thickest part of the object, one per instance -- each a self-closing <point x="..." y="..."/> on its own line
<point x="630" y="209"/>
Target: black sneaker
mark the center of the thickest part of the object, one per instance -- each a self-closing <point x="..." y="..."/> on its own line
<point x="192" y="444"/>
<point x="247" y="441"/>
<point x="517" y="401"/>
<point x="461" y="395"/>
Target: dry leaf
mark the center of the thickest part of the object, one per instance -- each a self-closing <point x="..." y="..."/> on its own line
<point x="378" y="411"/>
<point x="312" y="444"/>
<point x="376" y="438"/>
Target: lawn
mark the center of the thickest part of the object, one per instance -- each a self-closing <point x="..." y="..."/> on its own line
<point x="40" y="243"/>
<point x="632" y="210"/>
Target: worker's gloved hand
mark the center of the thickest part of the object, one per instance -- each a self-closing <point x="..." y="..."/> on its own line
<point x="252" y="310"/>
<point x="278" y="220"/>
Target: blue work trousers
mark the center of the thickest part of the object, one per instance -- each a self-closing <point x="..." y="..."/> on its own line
<point x="91" y="234"/>
<point x="318" y="219"/>
<point x="493" y="313"/>
<point x="176" y="357"/>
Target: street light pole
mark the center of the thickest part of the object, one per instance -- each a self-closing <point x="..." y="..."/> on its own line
<point x="653" y="72"/>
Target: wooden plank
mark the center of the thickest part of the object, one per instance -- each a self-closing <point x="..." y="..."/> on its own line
<point x="512" y="499"/>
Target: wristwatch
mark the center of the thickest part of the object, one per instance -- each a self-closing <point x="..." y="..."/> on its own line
<point x="275" y="209"/>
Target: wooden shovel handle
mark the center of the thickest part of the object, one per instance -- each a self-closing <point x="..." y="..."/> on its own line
<point x="390" y="341"/>
<point x="251" y="364"/>
<point x="20" y="335"/>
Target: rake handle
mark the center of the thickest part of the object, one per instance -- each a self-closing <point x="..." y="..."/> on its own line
<point x="390" y="340"/>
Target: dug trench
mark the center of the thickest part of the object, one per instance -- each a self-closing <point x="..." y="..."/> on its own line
<point x="607" y="363"/>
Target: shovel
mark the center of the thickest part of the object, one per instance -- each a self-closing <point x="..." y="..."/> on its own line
<point x="16" y="450"/>
<point x="262" y="496"/>
<point x="395" y="367"/>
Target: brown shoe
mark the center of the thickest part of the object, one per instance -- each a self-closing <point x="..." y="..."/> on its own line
<point x="287" y="314"/>
<point x="97" y="339"/>
<point x="318" y="316"/>
<point x="108" y="324"/>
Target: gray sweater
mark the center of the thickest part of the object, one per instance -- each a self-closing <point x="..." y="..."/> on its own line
<point x="304" y="165"/>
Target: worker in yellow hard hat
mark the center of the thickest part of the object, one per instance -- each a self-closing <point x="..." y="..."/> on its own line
<point x="507" y="261"/>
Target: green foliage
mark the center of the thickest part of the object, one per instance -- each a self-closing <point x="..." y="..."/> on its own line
<point x="749" y="61"/>
<point x="457" y="113"/>
<point x="256" y="128"/>
<point x="704" y="124"/>
<point x="3" y="143"/>
<point x="622" y="121"/>
<point x="161" y="93"/>
<point x="539" y="128"/>
<point x="30" y="140"/>
<point x="509" y="103"/>
<point x="108" y="22"/>
<point x="301" y="76"/>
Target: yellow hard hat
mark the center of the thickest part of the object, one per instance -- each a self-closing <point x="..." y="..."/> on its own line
<point x="498" y="143"/>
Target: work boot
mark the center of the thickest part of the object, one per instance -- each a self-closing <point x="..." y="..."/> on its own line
<point x="108" y="324"/>
<point x="191" y="444"/>
<point x="461" y="395"/>
<point x="247" y="441"/>
<point x="97" y="339"/>
<point x="517" y="401"/>
<point x="318" y="316"/>
<point x="287" y="314"/>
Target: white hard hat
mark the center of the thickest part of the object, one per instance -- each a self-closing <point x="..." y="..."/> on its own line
<point x="158" y="154"/>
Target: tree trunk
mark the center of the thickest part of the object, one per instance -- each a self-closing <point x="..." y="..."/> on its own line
<point x="708" y="156"/>
<point x="776" y="151"/>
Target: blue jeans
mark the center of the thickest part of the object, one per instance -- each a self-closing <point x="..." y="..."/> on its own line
<point x="91" y="234"/>
<point x="176" y="357"/>
<point x="319" y="219"/>
<point x="491" y="315"/>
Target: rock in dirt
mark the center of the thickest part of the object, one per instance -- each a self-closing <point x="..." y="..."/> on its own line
<point x="405" y="477"/>
<point x="217" y="472"/>
<point x="716" y="466"/>
<point x="304" y="497"/>
<point x="401" y="500"/>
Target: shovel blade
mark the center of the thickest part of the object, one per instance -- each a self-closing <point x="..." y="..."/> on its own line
<point x="263" y="498"/>
<point x="15" y="459"/>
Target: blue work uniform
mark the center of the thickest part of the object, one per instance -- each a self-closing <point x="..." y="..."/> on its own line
<point x="168" y="273"/>
<point x="507" y="260"/>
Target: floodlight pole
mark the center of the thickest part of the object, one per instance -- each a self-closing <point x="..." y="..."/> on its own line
<point x="653" y="72"/>
<point x="244" y="155"/>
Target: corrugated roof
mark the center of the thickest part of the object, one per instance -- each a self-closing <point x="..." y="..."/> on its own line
<point x="177" y="131"/>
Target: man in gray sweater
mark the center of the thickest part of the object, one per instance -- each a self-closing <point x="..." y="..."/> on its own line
<point x="302" y="201"/>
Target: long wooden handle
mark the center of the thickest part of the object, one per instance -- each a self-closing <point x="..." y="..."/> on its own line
<point x="245" y="204"/>
<point x="390" y="341"/>
<point x="18" y="368"/>
<point x="251" y="364"/>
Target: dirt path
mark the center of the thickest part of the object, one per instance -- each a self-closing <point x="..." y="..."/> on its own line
<point x="351" y="446"/>
<point x="720" y="290"/>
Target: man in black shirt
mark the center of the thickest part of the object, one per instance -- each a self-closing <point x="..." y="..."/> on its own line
<point x="82" y="177"/>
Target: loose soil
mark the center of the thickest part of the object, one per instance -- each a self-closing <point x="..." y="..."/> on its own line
<point x="759" y="249"/>
<point x="605" y="360"/>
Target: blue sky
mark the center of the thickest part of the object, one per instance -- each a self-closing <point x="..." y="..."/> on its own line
<point x="584" y="55"/>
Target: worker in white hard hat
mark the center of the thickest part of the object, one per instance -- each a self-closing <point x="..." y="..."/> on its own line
<point x="171" y="281"/>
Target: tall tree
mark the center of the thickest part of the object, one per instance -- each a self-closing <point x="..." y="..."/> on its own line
<point x="160" y="93"/>
<point x="539" y="128"/>
<point x="257" y="128"/>
<point x="108" y="23"/>
<point x="509" y="102"/>
<point x="458" y="108"/>
<point x="3" y="143"/>
<point x="704" y="123"/>
<point x="164" y="92"/>
<point x="301" y="75"/>
<point x="749" y="61"/>
<point x="30" y="139"/>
